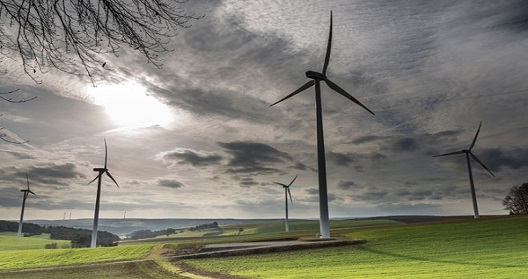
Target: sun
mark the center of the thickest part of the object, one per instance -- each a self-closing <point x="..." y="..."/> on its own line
<point x="130" y="106"/>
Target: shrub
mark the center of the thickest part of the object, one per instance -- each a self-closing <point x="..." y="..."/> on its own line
<point x="50" y="246"/>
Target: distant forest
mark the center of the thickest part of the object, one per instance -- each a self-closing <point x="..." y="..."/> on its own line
<point x="79" y="237"/>
<point x="142" y="234"/>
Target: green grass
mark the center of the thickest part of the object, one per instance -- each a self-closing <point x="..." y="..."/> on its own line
<point x="304" y="227"/>
<point x="493" y="247"/>
<point x="9" y="241"/>
<point x="19" y="259"/>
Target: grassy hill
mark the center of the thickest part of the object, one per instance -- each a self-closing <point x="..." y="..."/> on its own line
<point x="491" y="247"/>
<point x="9" y="241"/>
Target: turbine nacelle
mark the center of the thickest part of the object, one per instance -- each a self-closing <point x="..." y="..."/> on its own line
<point x="100" y="169"/>
<point x="315" y="75"/>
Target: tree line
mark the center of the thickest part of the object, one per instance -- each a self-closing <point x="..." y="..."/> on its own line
<point x="79" y="238"/>
<point x="141" y="234"/>
<point x="517" y="200"/>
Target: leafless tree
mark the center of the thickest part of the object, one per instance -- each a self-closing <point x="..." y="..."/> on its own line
<point x="517" y="200"/>
<point x="7" y="97"/>
<point x="73" y="35"/>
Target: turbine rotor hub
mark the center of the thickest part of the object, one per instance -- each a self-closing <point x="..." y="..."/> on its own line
<point x="315" y="75"/>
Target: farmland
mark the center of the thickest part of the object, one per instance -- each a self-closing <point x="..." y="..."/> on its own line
<point x="491" y="247"/>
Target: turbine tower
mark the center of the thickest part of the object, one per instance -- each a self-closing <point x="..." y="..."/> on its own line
<point x="316" y="79"/>
<point x="286" y="194"/>
<point x="101" y="171"/>
<point x="26" y="194"/>
<point x="468" y="154"/>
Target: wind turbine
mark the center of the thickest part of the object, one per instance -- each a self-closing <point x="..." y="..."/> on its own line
<point x="26" y="194"/>
<point x="468" y="154"/>
<point x="99" y="178"/>
<point x="316" y="79"/>
<point x="286" y="193"/>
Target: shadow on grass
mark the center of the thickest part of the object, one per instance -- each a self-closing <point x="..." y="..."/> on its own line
<point x="416" y="258"/>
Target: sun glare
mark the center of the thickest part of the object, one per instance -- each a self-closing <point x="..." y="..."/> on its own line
<point x="129" y="106"/>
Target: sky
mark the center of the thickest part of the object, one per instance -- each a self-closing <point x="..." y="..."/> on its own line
<point x="197" y="138"/>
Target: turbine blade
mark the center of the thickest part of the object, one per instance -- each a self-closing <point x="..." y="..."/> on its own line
<point x="27" y="179"/>
<point x="450" y="153"/>
<point x="329" y="47"/>
<point x="281" y="184"/>
<point x="341" y="91"/>
<point x="106" y="154"/>
<point x="109" y="175"/>
<point x="302" y="88"/>
<point x="32" y="193"/>
<point x="482" y="164"/>
<point x="289" y="193"/>
<point x="475" y="138"/>
<point x="95" y="178"/>
<point x="293" y="180"/>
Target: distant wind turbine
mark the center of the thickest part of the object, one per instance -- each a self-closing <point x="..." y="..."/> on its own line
<point x="26" y="194"/>
<point x="286" y="194"/>
<point x="469" y="153"/>
<point x="316" y="79"/>
<point x="99" y="178"/>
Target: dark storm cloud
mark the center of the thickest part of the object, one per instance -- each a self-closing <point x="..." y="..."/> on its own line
<point x="190" y="157"/>
<point x="314" y="193"/>
<point x="340" y="159"/>
<point x="169" y="183"/>
<point x="248" y="182"/>
<point x="67" y="170"/>
<point x="418" y="142"/>
<point x="347" y="185"/>
<point x="48" y="174"/>
<point x="356" y="160"/>
<point x="404" y="144"/>
<point x="367" y="139"/>
<point x="372" y="195"/>
<point x="253" y="157"/>
<point x="511" y="16"/>
<point x="497" y="159"/>
<point x="303" y="167"/>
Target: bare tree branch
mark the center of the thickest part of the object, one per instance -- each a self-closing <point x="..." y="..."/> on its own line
<point x="4" y="136"/>
<point x="71" y="35"/>
<point x="11" y="100"/>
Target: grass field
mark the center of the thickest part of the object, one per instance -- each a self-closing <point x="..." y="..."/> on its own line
<point x="19" y="259"/>
<point x="491" y="247"/>
<point x="8" y="241"/>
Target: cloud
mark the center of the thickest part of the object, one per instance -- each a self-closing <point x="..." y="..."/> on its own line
<point x="404" y="144"/>
<point x="174" y="184"/>
<point x="248" y="182"/>
<point x="189" y="157"/>
<point x="253" y="157"/>
<point x="347" y="185"/>
<point x="497" y="158"/>
<point x="340" y="159"/>
<point x="367" y="139"/>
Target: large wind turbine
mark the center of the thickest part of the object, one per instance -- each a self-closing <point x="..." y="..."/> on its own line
<point x="316" y="79"/>
<point x="26" y="194"/>
<point x="99" y="178"/>
<point x="286" y="194"/>
<point x="469" y="153"/>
